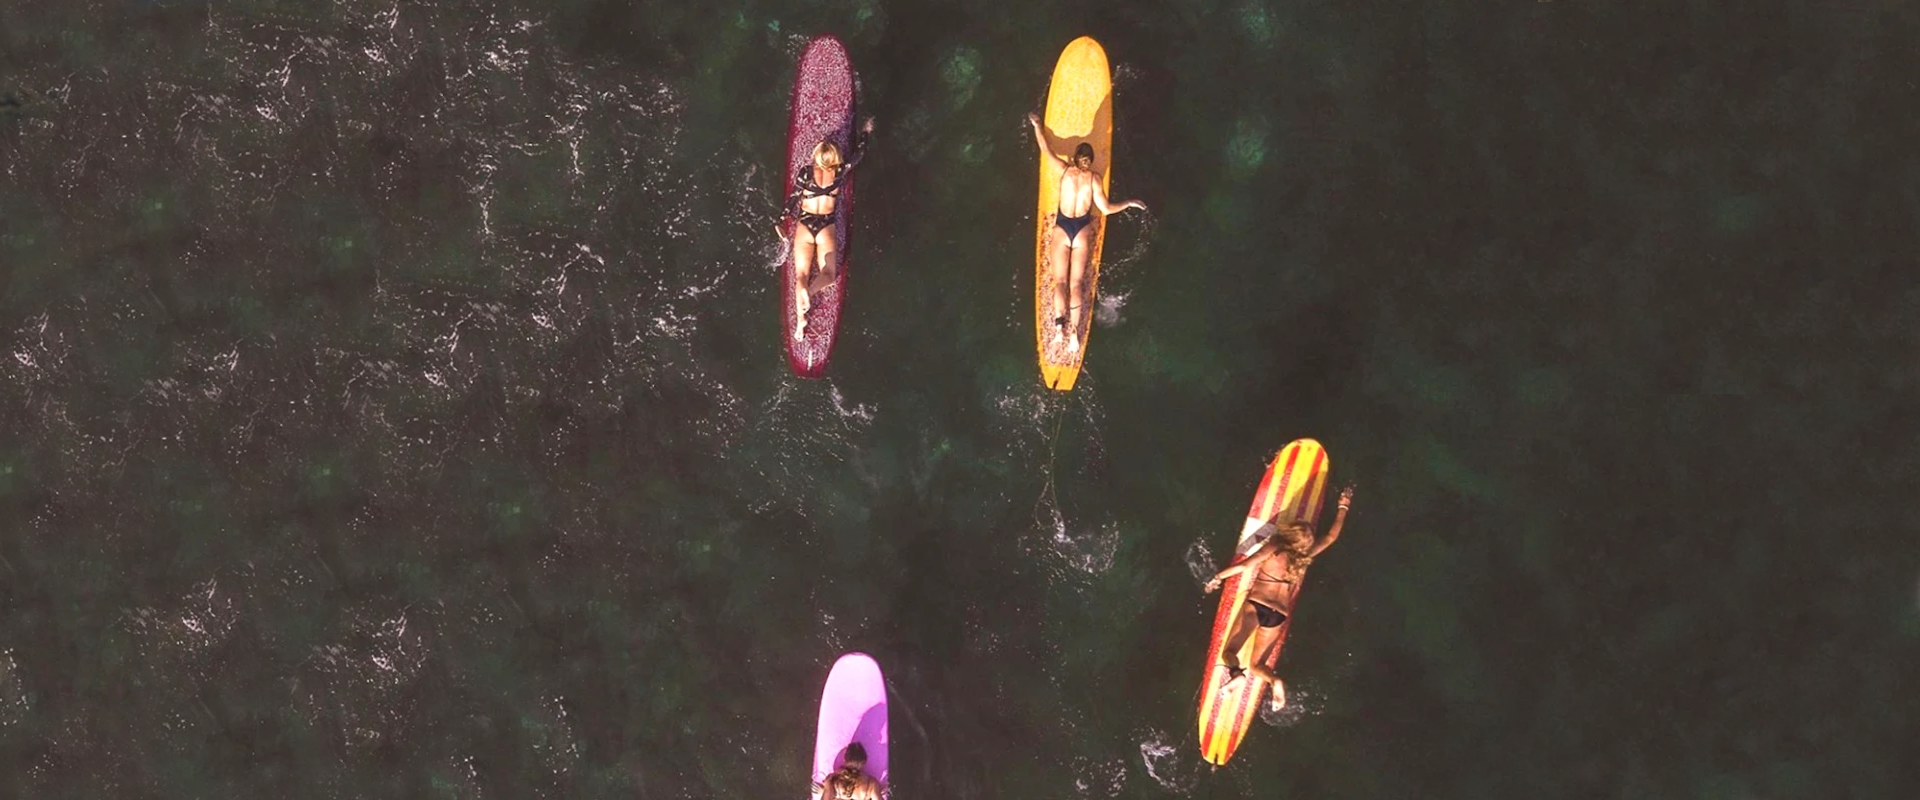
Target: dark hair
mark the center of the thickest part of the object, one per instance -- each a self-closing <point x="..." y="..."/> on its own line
<point x="1083" y="151"/>
<point x="856" y="756"/>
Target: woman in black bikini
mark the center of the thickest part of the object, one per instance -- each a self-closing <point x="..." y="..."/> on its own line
<point x="1072" y="247"/>
<point x="1277" y="566"/>
<point x="816" y="187"/>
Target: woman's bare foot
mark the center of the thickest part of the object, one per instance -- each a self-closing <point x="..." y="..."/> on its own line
<point x="1235" y="673"/>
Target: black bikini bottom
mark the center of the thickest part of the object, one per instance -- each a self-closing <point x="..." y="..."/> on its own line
<point x="816" y="222"/>
<point x="1269" y="617"/>
<point x="1072" y="225"/>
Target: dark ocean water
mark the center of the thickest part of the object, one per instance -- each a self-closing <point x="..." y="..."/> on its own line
<point x="392" y="402"/>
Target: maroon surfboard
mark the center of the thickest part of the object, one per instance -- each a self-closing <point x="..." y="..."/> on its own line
<point x="822" y="109"/>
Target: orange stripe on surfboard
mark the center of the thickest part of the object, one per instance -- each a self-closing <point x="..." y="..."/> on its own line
<point x="1216" y="674"/>
<point x="1282" y="478"/>
<point x="1269" y="492"/>
<point x="1316" y="492"/>
<point x="1237" y="589"/>
<point x="1209" y="736"/>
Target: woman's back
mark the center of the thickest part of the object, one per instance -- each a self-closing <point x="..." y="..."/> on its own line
<point x="1076" y="191"/>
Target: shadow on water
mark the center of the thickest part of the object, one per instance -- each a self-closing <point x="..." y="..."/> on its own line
<point x="925" y="750"/>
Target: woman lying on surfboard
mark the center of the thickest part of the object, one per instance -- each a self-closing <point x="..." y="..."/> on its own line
<point x="850" y="782"/>
<point x="1276" y="567"/>
<point x="1072" y="247"/>
<point x="815" y="188"/>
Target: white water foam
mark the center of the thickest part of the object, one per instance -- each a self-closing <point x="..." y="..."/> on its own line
<point x="1168" y="764"/>
<point x="1200" y="562"/>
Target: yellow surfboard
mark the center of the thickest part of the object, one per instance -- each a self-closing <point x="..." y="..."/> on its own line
<point x="1292" y="491"/>
<point x="1079" y="109"/>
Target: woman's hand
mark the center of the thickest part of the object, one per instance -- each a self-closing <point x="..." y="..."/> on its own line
<point x="1137" y="204"/>
<point x="867" y="127"/>
<point x="1346" y="498"/>
<point x="1213" y="585"/>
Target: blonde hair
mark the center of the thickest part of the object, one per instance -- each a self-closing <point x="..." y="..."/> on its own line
<point x="826" y="154"/>
<point x="1296" y="540"/>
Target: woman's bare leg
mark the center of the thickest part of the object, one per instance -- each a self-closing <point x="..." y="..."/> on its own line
<point x="1258" y="671"/>
<point x="1263" y="640"/>
<point x="1082" y="254"/>
<point x="827" y="251"/>
<point x="1242" y="627"/>
<point x="1060" y="259"/>
<point x="802" y="278"/>
<point x="1278" y="700"/>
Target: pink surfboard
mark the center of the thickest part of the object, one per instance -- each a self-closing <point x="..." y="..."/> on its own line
<point x="853" y="708"/>
<point x="822" y="109"/>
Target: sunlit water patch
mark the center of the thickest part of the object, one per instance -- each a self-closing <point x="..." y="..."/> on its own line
<point x="1201" y="563"/>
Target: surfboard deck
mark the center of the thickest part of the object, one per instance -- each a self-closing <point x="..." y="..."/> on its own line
<point x="853" y="708"/>
<point x="1295" y="487"/>
<point x="822" y="108"/>
<point x="1079" y="109"/>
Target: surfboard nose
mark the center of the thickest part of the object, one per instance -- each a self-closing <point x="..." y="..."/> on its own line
<point x="856" y="664"/>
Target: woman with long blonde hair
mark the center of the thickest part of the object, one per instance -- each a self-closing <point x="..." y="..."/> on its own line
<point x="811" y="214"/>
<point x="1276" y="567"/>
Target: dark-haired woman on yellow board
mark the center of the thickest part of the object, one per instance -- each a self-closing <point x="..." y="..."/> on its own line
<point x="1080" y="196"/>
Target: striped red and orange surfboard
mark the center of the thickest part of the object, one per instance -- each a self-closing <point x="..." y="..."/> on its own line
<point x="1294" y="488"/>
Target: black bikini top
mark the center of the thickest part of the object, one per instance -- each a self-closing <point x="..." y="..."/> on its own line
<point x="805" y="187"/>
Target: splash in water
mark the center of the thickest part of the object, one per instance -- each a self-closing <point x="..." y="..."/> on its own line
<point x="1200" y="563"/>
<point x="1303" y="700"/>
<point x="1168" y="764"/>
